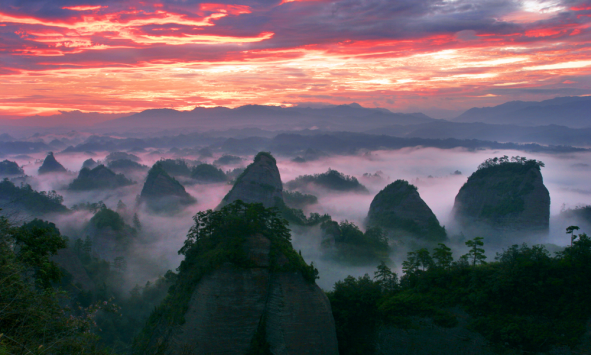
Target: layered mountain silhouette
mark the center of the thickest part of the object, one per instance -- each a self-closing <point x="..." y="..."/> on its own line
<point x="260" y="182"/>
<point x="571" y="111"/>
<point x="400" y="209"/>
<point x="163" y="193"/>
<point x="50" y="165"/>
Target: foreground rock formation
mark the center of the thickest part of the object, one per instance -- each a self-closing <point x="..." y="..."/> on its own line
<point x="400" y="209"/>
<point x="260" y="182"/>
<point x="50" y="165"/>
<point x="504" y="199"/>
<point x="162" y="192"/>
<point x="262" y="299"/>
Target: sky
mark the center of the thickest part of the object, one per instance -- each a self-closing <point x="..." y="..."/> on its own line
<point x="432" y="56"/>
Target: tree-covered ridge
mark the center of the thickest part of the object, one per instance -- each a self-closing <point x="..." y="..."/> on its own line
<point x="208" y="173"/>
<point x="32" y="317"/>
<point x="8" y="167"/>
<point x="30" y="200"/>
<point x="228" y="160"/>
<point x="176" y="167"/>
<point x="296" y="199"/>
<point x="331" y="180"/>
<point x="525" y="301"/>
<point x="218" y="237"/>
<point x="125" y="164"/>
<point x="346" y="243"/>
<point x="98" y="178"/>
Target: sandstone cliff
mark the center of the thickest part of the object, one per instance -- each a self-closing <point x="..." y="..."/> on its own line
<point x="400" y="209"/>
<point x="241" y="293"/>
<point x="162" y="192"/>
<point x="50" y="165"/>
<point x="260" y="182"/>
<point x="100" y="177"/>
<point x="504" y="198"/>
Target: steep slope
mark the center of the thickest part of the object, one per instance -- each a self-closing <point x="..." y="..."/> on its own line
<point x="503" y="198"/>
<point x="98" y="178"/>
<point x="162" y="192"/>
<point x="399" y="208"/>
<point x="242" y="289"/>
<point x="260" y="182"/>
<point x="50" y="165"/>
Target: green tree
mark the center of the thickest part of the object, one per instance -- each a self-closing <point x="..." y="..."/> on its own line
<point x="476" y="253"/>
<point x="37" y="241"/>
<point x="387" y="279"/>
<point x="571" y="230"/>
<point x="443" y="256"/>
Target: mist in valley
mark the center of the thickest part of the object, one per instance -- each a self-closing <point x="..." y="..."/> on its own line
<point x="438" y="174"/>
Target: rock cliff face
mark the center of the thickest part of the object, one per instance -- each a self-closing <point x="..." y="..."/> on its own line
<point x="503" y="199"/>
<point x="100" y="177"/>
<point x="50" y="165"/>
<point x="260" y="182"/>
<point x="163" y="192"/>
<point x="400" y="209"/>
<point x="232" y="306"/>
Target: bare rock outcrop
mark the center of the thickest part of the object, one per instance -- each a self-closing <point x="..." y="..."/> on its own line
<point x="50" y="165"/>
<point x="260" y="183"/>
<point x="400" y="209"/>
<point x="504" y="199"/>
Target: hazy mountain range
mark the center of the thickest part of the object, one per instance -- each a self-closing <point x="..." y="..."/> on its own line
<point x="559" y="121"/>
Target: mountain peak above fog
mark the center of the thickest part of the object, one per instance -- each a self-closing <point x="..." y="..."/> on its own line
<point x="570" y="111"/>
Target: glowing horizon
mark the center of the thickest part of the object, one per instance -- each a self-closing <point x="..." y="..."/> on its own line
<point x="114" y="57"/>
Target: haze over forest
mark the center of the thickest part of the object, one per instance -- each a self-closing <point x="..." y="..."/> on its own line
<point x="295" y="177"/>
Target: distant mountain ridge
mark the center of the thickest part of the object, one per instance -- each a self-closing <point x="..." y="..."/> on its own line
<point x="351" y="117"/>
<point x="570" y="111"/>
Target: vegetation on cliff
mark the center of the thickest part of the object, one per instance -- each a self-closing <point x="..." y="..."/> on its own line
<point x="525" y="301"/>
<point x="218" y="237"/>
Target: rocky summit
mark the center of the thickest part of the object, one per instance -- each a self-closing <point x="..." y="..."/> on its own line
<point x="163" y="192"/>
<point x="50" y="165"/>
<point x="399" y="209"/>
<point x="241" y="290"/>
<point x="504" y="198"/>
<point x="260" y="182"/>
